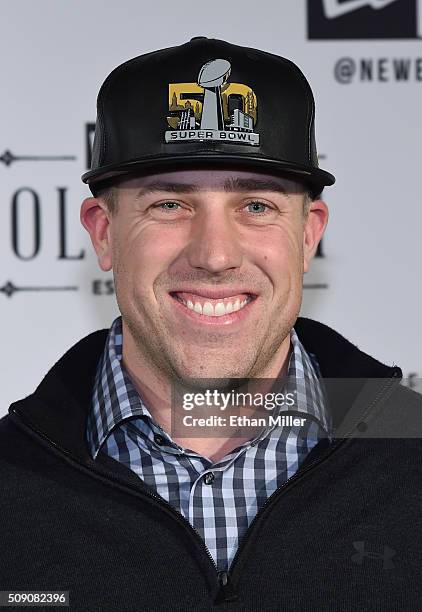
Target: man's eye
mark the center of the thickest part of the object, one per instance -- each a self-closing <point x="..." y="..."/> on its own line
<point x="258" y="207"/>
<point x="168" y="206"/>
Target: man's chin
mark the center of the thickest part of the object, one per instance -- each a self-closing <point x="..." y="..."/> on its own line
<point x="200" y="374"/>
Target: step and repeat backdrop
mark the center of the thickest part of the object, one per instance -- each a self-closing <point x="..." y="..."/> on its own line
<point x="363" y="59"/>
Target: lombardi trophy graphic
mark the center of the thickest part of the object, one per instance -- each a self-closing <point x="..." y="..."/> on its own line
<point x="212" y="77"/>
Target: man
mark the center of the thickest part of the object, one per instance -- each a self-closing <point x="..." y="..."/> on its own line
<point x="206" y="207"/>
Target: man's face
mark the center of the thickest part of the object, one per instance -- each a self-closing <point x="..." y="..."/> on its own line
<point x="208" y="268"/>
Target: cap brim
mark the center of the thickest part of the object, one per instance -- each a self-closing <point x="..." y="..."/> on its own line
<point x="315" y="178"/>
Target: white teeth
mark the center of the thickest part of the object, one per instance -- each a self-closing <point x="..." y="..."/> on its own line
<point x="208" y="309"/>
<point x="219" y="309"/>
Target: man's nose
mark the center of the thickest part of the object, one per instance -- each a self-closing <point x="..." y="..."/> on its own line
<point x="214" y="242"/>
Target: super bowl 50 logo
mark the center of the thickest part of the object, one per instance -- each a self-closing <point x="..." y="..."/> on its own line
<point x="212" y="108"/>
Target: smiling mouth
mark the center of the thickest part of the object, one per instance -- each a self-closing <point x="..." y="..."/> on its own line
<point x="213" y="307"/>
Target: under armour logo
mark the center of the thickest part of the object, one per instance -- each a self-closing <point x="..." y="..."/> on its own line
<point x="361" y="553"/>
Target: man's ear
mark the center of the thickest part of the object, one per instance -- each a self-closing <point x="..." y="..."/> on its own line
<point x="314" y="228"/>
<point x="96" y="220"/>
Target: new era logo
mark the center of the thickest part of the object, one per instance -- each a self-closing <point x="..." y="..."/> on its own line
<point x="362" y="553"/>
<point x="346" y="19"/>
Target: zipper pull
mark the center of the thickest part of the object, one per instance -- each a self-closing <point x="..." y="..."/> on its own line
<point x="226" y="591"/>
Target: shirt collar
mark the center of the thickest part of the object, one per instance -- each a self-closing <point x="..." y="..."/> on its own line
<point x="115" y="397"/>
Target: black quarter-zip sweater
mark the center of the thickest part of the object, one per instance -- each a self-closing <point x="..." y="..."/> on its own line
<point x="343" y="534"/>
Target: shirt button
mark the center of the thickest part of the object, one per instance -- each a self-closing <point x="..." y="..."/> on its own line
<point x="158" y="439"/>
<point x="209" y="478"/>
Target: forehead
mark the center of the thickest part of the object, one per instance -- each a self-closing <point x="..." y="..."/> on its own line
<point x="211" y="179"/>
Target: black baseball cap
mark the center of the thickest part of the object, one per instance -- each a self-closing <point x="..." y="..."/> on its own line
<point x="206" y="102"/>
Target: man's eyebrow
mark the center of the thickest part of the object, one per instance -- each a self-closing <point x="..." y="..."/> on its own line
<point x="231" y="184"/>
<point x="168" y="187"/>
<point x="253" y="184"/>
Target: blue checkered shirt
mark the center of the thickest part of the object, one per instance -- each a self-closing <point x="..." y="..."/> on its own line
<point x="218" y="499"/>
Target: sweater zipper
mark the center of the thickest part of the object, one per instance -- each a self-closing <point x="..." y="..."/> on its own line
<point x="226" y="591"/>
